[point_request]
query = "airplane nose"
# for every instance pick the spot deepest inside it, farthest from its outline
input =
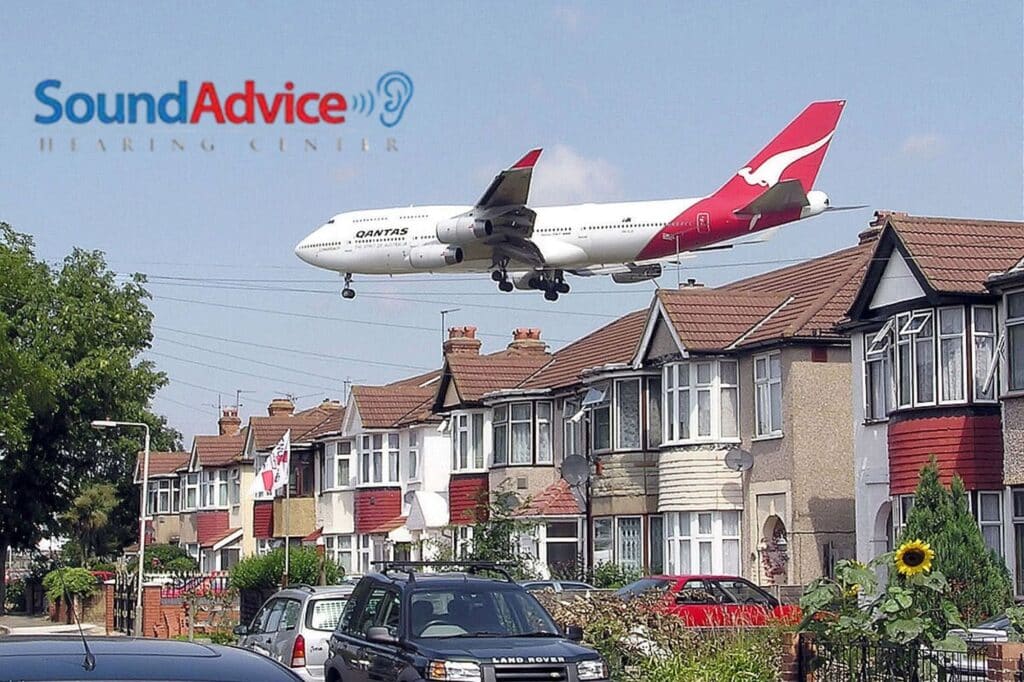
(303, 251)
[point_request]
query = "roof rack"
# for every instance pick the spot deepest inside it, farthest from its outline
(471, 567)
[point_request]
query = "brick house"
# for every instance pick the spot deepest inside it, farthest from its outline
(163, 505)
(924, 327)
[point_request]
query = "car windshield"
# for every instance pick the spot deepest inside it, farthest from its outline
(474, 612)
(324, 614)
(644, 585)
(1000, 622)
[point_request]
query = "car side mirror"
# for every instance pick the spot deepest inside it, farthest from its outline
(241, 630)
(379, 634)
(574, 633)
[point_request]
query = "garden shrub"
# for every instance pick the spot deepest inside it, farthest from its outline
(77, 582)
(158, 557)
(609, 575)
(16, 595)
(266, 571)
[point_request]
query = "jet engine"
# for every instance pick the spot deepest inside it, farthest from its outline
(817, 202)
(463, 229)
(434, 256)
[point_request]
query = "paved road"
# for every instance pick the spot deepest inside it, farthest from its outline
(41, 625)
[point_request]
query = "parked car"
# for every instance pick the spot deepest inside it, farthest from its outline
(401, 624)
(556, 585)
(56, 658)
(293, 626)
(714, 600)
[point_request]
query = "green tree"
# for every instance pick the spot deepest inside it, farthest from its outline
(70, 340)
(88, 515)
(978, 578)
(496, 531)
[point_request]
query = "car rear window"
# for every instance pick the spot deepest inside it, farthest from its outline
(324, 614)
(644, 585)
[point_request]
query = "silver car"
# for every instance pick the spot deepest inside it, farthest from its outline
(293, 627)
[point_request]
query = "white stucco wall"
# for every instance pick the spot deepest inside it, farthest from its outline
(871, 463)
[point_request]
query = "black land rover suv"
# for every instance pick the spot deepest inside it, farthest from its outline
(403, 625)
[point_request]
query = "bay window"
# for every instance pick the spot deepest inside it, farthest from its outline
(627, 414)
(572, 430)
(339, 549)
(468, 441)
(924, 361)
(164, 496)
(654, 430)
(604, 549)
(235, 490)
(701, 400)
(768, 394)
(191, 491)
(337, 468)
(630, 542)
(213, 488)
(522, 434)
(877, 374)
(703, 542)
(379, 450)
(1015, 340)
(598, 401)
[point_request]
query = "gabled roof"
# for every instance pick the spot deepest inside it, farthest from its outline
(403, 402)
(822, 290)
(947, 256)
(329, 426)
(474, 376)
(268, 430)
(162, 464)
(613, 343)
(555, 500)
(712, 320)
(218, 451)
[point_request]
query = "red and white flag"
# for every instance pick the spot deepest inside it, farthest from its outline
(273, 475)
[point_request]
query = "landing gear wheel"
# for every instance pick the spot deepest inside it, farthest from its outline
(505, 286)
(551, 295)
(562, 287)
(497, 275)
(348, 293)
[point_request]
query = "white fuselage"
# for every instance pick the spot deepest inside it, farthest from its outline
(382, 241)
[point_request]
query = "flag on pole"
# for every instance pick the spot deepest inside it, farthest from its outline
(274, 474)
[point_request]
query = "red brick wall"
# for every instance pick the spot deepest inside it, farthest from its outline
(375, 506)
(210, 525)
(968, 445)
(263, 519)
(465, 494)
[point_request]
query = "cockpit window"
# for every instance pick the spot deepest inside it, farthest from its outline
(331, 221)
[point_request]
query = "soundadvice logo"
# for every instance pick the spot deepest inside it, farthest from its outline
(180, 117)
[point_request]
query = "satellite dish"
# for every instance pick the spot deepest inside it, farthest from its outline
(575, 470)
(409, 497)
(738, 459)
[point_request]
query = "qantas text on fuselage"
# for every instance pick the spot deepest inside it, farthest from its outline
(535, 247)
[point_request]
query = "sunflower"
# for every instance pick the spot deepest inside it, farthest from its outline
(914, 557)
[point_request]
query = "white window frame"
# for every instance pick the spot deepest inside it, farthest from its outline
(989, 523)
(684, 537)
(543, 455)
(619, 558)
(764, 424)
(465, 424)
(983, 378)
(910, 325)
(234, 487)
(878, 367)
(1012, 323)
(674, 390)
(617, 412)
(191, 485)
(364, 553)
(939, 360)
(902, 506)
(341, 549)
(379, 460)
(599, 399)
(213, 485)
(412, 456)
(572, 431)
(502, 421)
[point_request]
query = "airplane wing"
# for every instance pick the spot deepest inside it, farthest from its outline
(511, 187)
(624, 273)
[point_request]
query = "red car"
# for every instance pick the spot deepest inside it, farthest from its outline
(714, 600)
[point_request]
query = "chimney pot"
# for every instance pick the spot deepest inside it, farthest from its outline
(462, 340)
(229, 422)
(280, 406)
(527, 339)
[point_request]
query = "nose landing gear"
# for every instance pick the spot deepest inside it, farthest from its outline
(348, 292)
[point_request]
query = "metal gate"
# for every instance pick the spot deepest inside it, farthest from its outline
(125, 595)
(876, 662)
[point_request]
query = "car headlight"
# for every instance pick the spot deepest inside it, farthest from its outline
(592, 670)
(453, 671)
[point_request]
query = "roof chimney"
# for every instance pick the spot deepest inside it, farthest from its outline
(882, 216)
(691, 283)
(229, 423)
(869, 235)
(462, 340)
(280, 406)
(527, 339)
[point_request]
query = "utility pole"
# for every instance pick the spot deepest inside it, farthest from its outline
(670, 237)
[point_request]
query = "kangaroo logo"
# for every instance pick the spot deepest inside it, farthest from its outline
(769, 172)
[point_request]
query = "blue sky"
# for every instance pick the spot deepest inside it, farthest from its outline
(630, 102)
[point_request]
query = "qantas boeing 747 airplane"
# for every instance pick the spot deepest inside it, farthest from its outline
(534, 247)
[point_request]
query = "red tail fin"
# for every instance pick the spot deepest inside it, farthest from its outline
(795, 154)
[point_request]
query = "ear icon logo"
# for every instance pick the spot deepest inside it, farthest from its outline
(394, 90)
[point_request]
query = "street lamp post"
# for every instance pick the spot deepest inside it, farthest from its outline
(106, 424)
(671, 237)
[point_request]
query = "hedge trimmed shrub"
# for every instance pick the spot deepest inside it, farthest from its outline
(262, 572)
(77, 582)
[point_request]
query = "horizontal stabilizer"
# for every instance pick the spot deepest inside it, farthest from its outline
(788, 195)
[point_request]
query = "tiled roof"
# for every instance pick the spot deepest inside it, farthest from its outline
(388, 525)
(218, 451)
(332, 424)
(477, 375)
(268, 430)
(611, 344)
(956, 255)
(822, 290)
(212, 541)
(162, 463)
(712, 319)
(555, 500)
(382, 407)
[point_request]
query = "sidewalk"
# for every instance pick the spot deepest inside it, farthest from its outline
(41, 625)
